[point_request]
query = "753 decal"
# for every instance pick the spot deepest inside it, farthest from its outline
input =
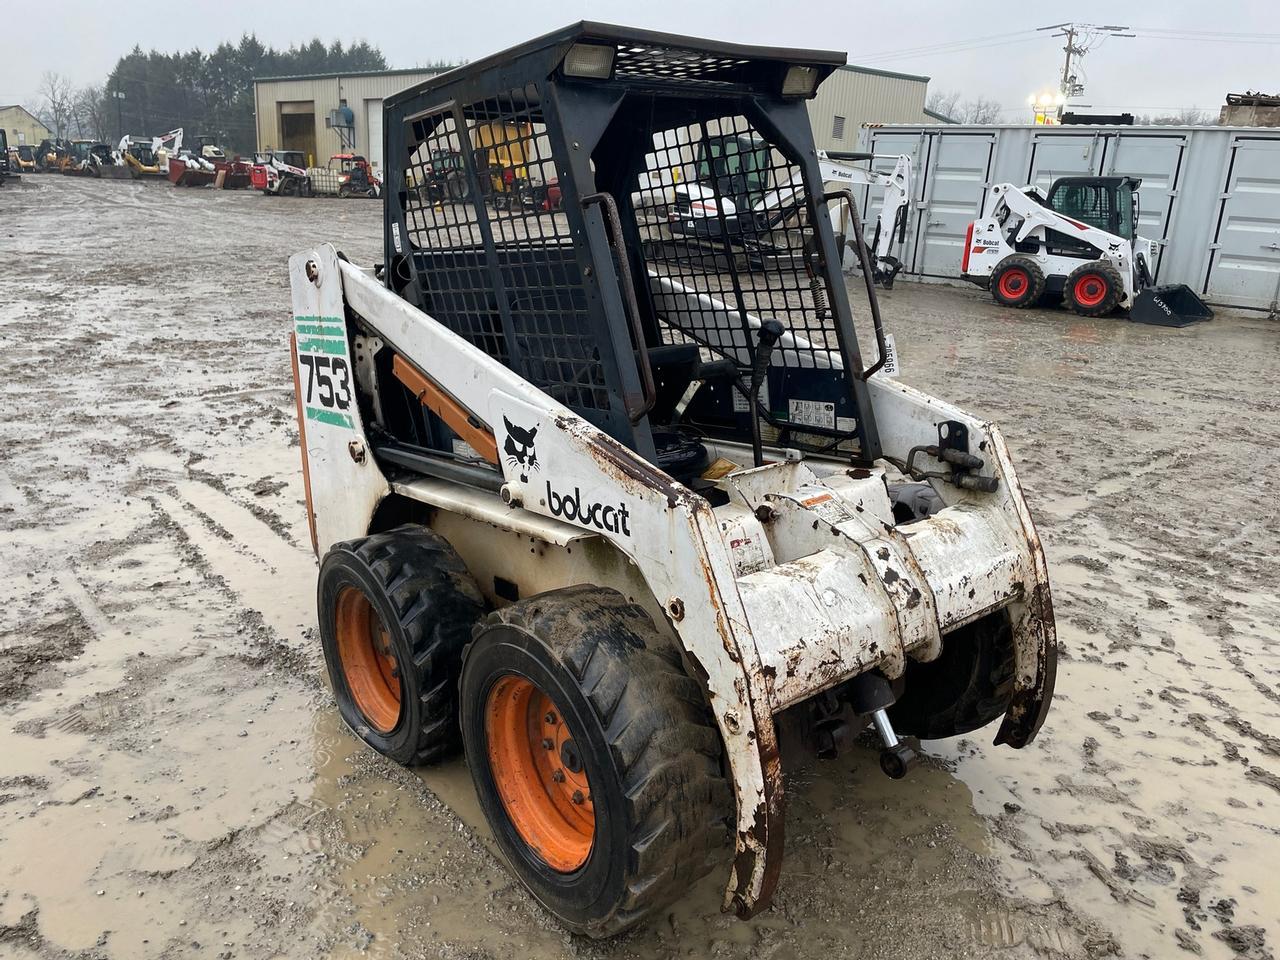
(328, 381)
(324, 371)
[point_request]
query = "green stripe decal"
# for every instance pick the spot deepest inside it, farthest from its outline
(308, 318)
(325, 345)
(331, 417)
(320, 330)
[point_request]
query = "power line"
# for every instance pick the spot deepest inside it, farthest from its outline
(1225, 34)
(951, 46)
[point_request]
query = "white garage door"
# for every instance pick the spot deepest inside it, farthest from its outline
(373, 116)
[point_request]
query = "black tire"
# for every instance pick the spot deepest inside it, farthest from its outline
(1094, 289)
(427, 603)
(968, 686)
(643, 736)
(287, 187)
(344, 191)
(457, 187)
(1018, 282)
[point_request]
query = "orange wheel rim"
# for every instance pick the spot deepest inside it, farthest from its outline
(539, 773)
(368, 662)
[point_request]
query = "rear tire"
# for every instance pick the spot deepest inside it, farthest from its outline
(1017, 282)
(396, 610)
(574, 694)
(1094, 289)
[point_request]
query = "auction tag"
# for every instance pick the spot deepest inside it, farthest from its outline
(890, 368)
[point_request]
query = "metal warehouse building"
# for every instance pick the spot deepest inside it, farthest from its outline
(299, 113)
(20, 126)
(1209, 195)
(853, 96)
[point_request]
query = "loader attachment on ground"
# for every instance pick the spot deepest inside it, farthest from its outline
(1170, 305)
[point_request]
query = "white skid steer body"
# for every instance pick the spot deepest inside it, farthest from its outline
(1016, 222)
(800, 581)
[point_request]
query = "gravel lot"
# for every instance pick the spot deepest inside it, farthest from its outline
(174, 778)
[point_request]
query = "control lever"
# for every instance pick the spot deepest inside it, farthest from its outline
(767, 338)
(722, 369)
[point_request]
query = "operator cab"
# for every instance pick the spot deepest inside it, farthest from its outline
(1108, 203)
(578, 277)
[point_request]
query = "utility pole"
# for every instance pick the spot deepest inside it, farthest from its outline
(119, 98)
(1081, 38)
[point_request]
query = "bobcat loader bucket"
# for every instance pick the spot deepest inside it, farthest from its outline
(1171, 305)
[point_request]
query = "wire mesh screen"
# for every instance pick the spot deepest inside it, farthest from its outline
(652, 62)
(494, 257)
(723, 221)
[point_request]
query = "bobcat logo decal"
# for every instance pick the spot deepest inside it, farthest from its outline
(519, 449)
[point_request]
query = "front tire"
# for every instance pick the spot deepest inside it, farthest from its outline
(969, 685)
(396, 610)
(1094, 289)
(1017, 282)
(596, 761)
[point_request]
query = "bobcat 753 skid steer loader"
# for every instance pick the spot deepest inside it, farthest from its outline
(626, 514)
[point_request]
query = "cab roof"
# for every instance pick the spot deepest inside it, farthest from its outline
(642, 56)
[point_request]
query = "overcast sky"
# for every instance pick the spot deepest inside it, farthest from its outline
(1189, 53)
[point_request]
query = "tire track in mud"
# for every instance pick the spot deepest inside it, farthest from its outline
(165, 422)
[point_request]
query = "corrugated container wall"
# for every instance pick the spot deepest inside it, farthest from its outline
(853, 96)
(1209, 195)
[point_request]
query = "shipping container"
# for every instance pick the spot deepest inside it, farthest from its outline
(1210, 195)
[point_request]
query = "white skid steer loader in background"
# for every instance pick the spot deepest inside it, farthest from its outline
(1080, 241)
(620, 512)
(701, 206)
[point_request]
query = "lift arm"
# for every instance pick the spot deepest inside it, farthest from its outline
(891, 219)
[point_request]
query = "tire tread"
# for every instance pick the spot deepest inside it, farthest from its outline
(664, 741)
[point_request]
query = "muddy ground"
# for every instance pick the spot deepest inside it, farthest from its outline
(175, 781)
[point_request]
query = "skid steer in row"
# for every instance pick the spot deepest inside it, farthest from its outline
(627, 517)
(1080, 241)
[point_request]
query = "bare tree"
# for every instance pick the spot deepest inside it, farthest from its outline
(1183, 117)
(90, 109)
(980, 111)
(949, 103)
(58, 100)
(946, 103)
